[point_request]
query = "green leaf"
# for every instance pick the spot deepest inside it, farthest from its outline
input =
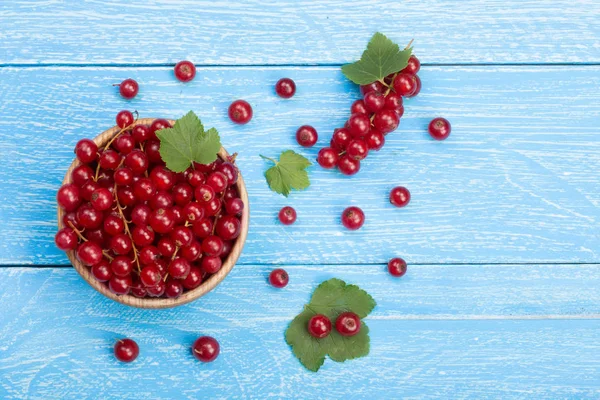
(331, 298)
(288, 173)
(187, 142)
(381, 58)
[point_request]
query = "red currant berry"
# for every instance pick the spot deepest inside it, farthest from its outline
(70, 219)
(439, 128)
(327, 158)
(397, 267)
(137, 161)
(68, 197)
(287, 215)
(150, 275)
(96, 236)
(240, 112)
(194, 279)
(386, 121)
(86, 151)
(126, 196)
(413, 66)
(143, 235)
(340, 139)
(212, 245)
(182, 193)
(89, 253)
(306, 136)
(124, 143)
(357, 149)
(353, 218)
(234, 206)
(121, 266)
(358, 107)
(124, 118)
(120, 285)
(212, 207)
(161, 199)
(319, 326)
(230, 172)
(89, 217)
(393, 101)
(101, 199)
(231, 193)
(374, 140)
(148, 255)
(129, 88)
(113, 225)
(185, 71)
(211, 264)
(285, 88)
(173, 288)
(348, 165)
(179, 268)
(371, 87)
(399, 196)
(66, 239)
(81, 174)
(374, 101)
(88, 189)
(121, 244)
(109, 159)
(140, 214)
(217, 181)
(140, 133)
(105, 180)
(417, 88)
(182, 236)
(202, 228)
(228, 227)
(196, 178)
(279, 278)
(137, 289)
(206, 349)
(204, 193)
(191, 252)
(163, 178)
(123, 176)
(405, 84)
(166, 246)
(227, 247)
(126, 350)
(144, 189)
(347, 324)
(359, 125)
(102, 271)
(193, 211)
(157, 290)
(157, 125)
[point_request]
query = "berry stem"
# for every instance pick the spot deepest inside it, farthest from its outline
(77, 231)
(269, 159)
(409, 44)
(126, 223)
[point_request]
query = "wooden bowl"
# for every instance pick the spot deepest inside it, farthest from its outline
(187, 296)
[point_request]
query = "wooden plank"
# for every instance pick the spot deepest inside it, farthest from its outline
(51, 323)
(516, 182)
(297, 32)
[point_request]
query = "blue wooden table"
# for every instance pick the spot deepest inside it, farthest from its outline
(502, 297)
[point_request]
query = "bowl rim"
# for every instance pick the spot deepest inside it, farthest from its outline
(158, 303)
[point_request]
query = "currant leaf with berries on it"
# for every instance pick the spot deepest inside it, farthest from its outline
(331, 298)
(187, 142)
(381, 58)
(288, 173)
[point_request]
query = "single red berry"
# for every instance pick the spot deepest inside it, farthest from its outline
(196, 178)
(137, 161)
(140, 214)
(439, 128)
(217, 181)
(150, 275)
(319, 326)
(279, 278)
(234, 206)
(397, 267)
(348, 165)
(101, 199)
(206, 349)
(143, 235)
(161, 199)
(228, 227)
(285, 88)
(371, 87)
(306, 136)
(191, 252)
(97, 236)
(202, 228)
(68, 197)
(399, 196)
(393, 101)
(179, 268)
(162, 220)
(359, 125)
(413, 66)
(110, 159)
(121, 266)
(386, 121)
(185, 71)
(287, 215)
(211, 264)
(166, 246)
(89, 217)
(182, 194)
(193, 211)
(129, 88)
(124, 118)
(229, 170)
(148, 255)
(240, 112)
(173, 288)
(374, 140)
(157, 290)
(121, 244)
(126, 350)
(347, 324)
(405, 84)
(88, 188)
(340, 139)
(82, 174)
(120, 285)
(182, 236)
(86, 151)
(66, 239)
(113, 225)
(374, 101)
(353, 218)
(125, 143)
(212, 207)
(358, 107)
(194, 279)
(137, 289)
(163, 178)
(357, 149)
(102, 271)
(123, 176)
(157, 125)
(140, 133)
(204, 193)
(212, 245)
(327, 158)
(89, 253)
(417, 88)
(144, 189)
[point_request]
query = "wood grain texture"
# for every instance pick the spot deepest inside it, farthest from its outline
(296, 32)
(518, 180)
(433, 338)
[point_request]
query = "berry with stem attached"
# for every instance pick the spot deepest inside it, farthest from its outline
(124, 118)
(347, 165)
(128, 88)
(66, 239)
(86, 151)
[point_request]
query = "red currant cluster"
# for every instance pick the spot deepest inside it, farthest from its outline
(347, 324)
(140, 227)
(373, 117)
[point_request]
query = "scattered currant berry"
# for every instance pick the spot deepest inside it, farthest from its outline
(399, 196)
(353, 218)
(185, 71)
(240, 112)
(206, 349)
(66, 239)
(279, 278)
(86, 151)
(126, 350)
(306, 136)
(285, 88)
(347, 324)
(128, 88)
(348, 165)
(439, 128)
(413, 66)
(327, 158)
(124, 118)
(319, 326)
(397, 267)
(287, 215)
